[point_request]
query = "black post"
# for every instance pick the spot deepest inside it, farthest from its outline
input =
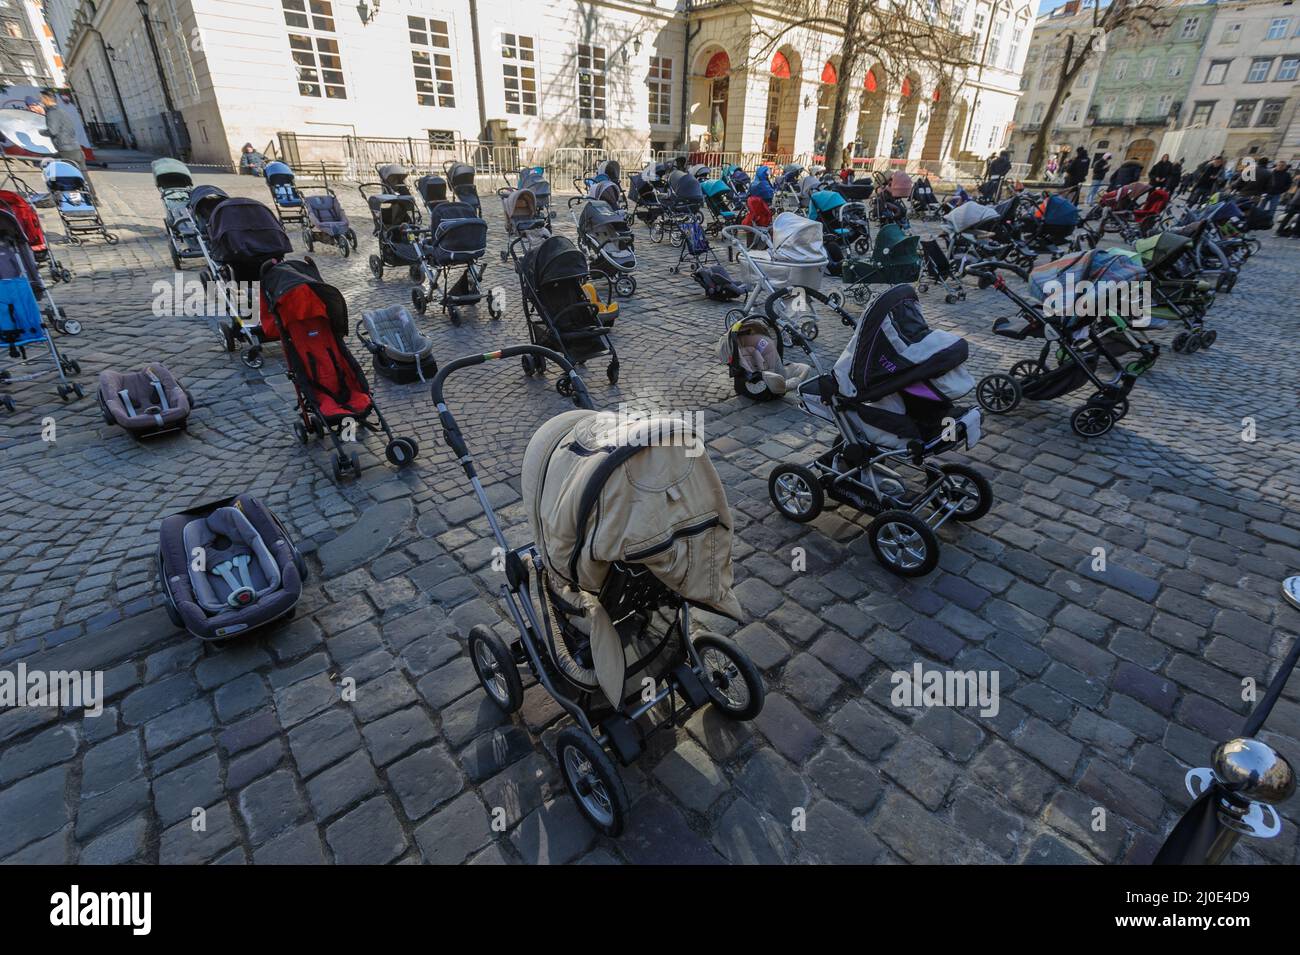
(478, 68)
(162, 76)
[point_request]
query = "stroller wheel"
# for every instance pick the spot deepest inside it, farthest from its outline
(252, 357)
(564, 385)
(345, 249)
(228, 335)
(592, 780)
(377, 267)
(835, 300)
(496, 302)
(998, 394)
(307, 239)
(611, 372)
(1180, 341)
(1120, 410)
(110, 238)
(966, 489)
(301, 432)
(496, 669)
(808, 330)
(415, 272)
(1026, 369)
(1193, 343)
(77, 390)
(796, 492)
(861, 294)
(1208, 337)
(419, 300)
(340, 464)
(352, 239)
(904, 543)
(73, 366)
(950, 299)
(730, 676)
(754, 390)
(400, 452)
(1092, 421)
(625, 286)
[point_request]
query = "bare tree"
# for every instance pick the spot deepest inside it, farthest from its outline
(1080, 43)
(908, 36)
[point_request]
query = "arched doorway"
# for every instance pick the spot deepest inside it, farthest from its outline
(909, 104)
(1142, 150)
(871, 113)
(825, 106)
(782, 102)
(710, 89)
(937, 131)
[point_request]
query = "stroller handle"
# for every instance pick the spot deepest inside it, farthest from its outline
(731, 234)
(451, 431)
(989, 267)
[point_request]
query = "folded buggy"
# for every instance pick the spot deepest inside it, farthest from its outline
(603, 233)
(460, 177)
(174, 183)
(940, 271)
(401, 352)
(243, 236)
(288, 201)
(560, 307)
(396, 228)
(456, 239)
(74, 202)
(24, 337)
(228, 568)
(333, 395)
(895, 258)
(144, 403)
(632, 533)
(891, 396)
(1075, 345)
(704, 266)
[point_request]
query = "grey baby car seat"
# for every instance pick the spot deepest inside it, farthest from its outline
(400, 350)
(145, 402)
(228, 568)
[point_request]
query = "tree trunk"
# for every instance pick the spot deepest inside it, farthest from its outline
(1069, 70)
(848, 66)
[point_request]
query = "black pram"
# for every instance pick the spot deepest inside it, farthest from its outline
(456, 237)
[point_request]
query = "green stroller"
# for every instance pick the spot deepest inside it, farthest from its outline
(895, 258)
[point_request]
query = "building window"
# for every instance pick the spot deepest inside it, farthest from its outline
(1242, 111)
(1148, 67)
(1038, 113)
(1190, 27)
(591, 81)
(1108, 107)
(433, 76)
(995, 41)
(315, 58)
(519, 72)
(1287, 71)
(442, 138)
(1277, 28)
(1074, 114)
(1217, 72)
(1271, 112)
(1084, 79)
(1231, 33)
(1259, 68)
(1175, 68)
(1121, 69)
(661, 90)
(1201, 113)
(1164, 104)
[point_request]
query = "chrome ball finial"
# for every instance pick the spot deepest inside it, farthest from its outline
(1253, 770)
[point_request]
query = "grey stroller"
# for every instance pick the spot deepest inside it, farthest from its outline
(400, 350)
(603, 233)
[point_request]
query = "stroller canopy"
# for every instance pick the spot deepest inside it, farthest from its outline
(531, 177)
(244, 230)
(686, 187)
(1094, 265)
(171, 174)
(824, 200)
(853, 191)
(605, 190)
(808, 185)
(282, 279)
(1159, 250)
(26, 215)
(971, 215)
(391, 174)
(715, 187)
(1059, 211)
(899, 185)
(520, 205)
(392, 210)
(62, 176)
(610, 169)
(893, 246)
(204, 199)
(556, 260)
(797, 240)
(278, 174)
(459, 235)
(598, 217)
(432, 189)
(460, 175)
(892, 348)
(599, 489)
(700, 171)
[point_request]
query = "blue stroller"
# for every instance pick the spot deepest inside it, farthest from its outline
(325, 221)
(288, 201)
(74, 202)
(456, 237)
(21, 324)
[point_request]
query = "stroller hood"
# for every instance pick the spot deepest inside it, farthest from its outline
(391, 174)
(282, 278)
(278, 174)
(714, 187)
(1059, 211)
(460, 175)
(899, 185)
(599, 488)
(63, 175)
(556, 259)
(893, 246)
(605, 190)
(808, 185)
(1158, 250)
(27, 217)
(204, 199)
(1093, 265)
(971, 215)
(530, 177)
(245, 230)
(611, 169)
(825, 201)
(597, 215)
(797, 240)
(431, 189)
(892, 349)
(520, 205)
(687, 188)
(171, 174)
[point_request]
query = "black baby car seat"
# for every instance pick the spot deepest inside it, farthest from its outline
(145, 402)
(228, 567)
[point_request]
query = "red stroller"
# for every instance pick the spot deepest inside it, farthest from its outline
(31, 222)
(333, 395)
(1147, 215)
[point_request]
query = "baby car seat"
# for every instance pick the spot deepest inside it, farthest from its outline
(401, 352)
(145, 402)
(606, 312)
(228, 567)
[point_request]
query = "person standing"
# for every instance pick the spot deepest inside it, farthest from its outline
(1077, 170)
(1161, 172)
(61, 127)
(1175, 182)
(1100, 166)
(1279, 182)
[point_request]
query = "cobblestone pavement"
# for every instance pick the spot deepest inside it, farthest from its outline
(1112, 683)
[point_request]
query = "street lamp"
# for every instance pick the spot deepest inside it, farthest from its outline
(365, 12)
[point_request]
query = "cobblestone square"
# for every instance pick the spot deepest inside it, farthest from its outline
(1112, 683)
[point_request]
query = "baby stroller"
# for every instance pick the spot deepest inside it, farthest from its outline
(144, 403)
(1147, 215)
(21, 323)
(251, 574)
(397, 228)
(532, 178)
(27, 216)
(244, 235)
(1054, 221)
(681, 204)
(643, 197)
(859, 190)
(400, 351)
(968, 233)
(722, 203)
(606, 191)
(74, 202)
(603, 608)
(888, 204)
(174, 184)
(939, 271)
(393, 176)
(844, 223)
(895, 258)
(460, 177)
(736, 178)
(432, 190)
(1074, 349)
(456, 237)
(925, 204)
(522, 216)
(561, 313)
(286, 198)
(604, 234)
(786, 196)
(333, 396)
(891, 397)
(1179, 292)
(791, 253)
(753, 349)
(325, 221)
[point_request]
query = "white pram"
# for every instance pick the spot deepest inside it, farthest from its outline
(790, 254)
(965, 227)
